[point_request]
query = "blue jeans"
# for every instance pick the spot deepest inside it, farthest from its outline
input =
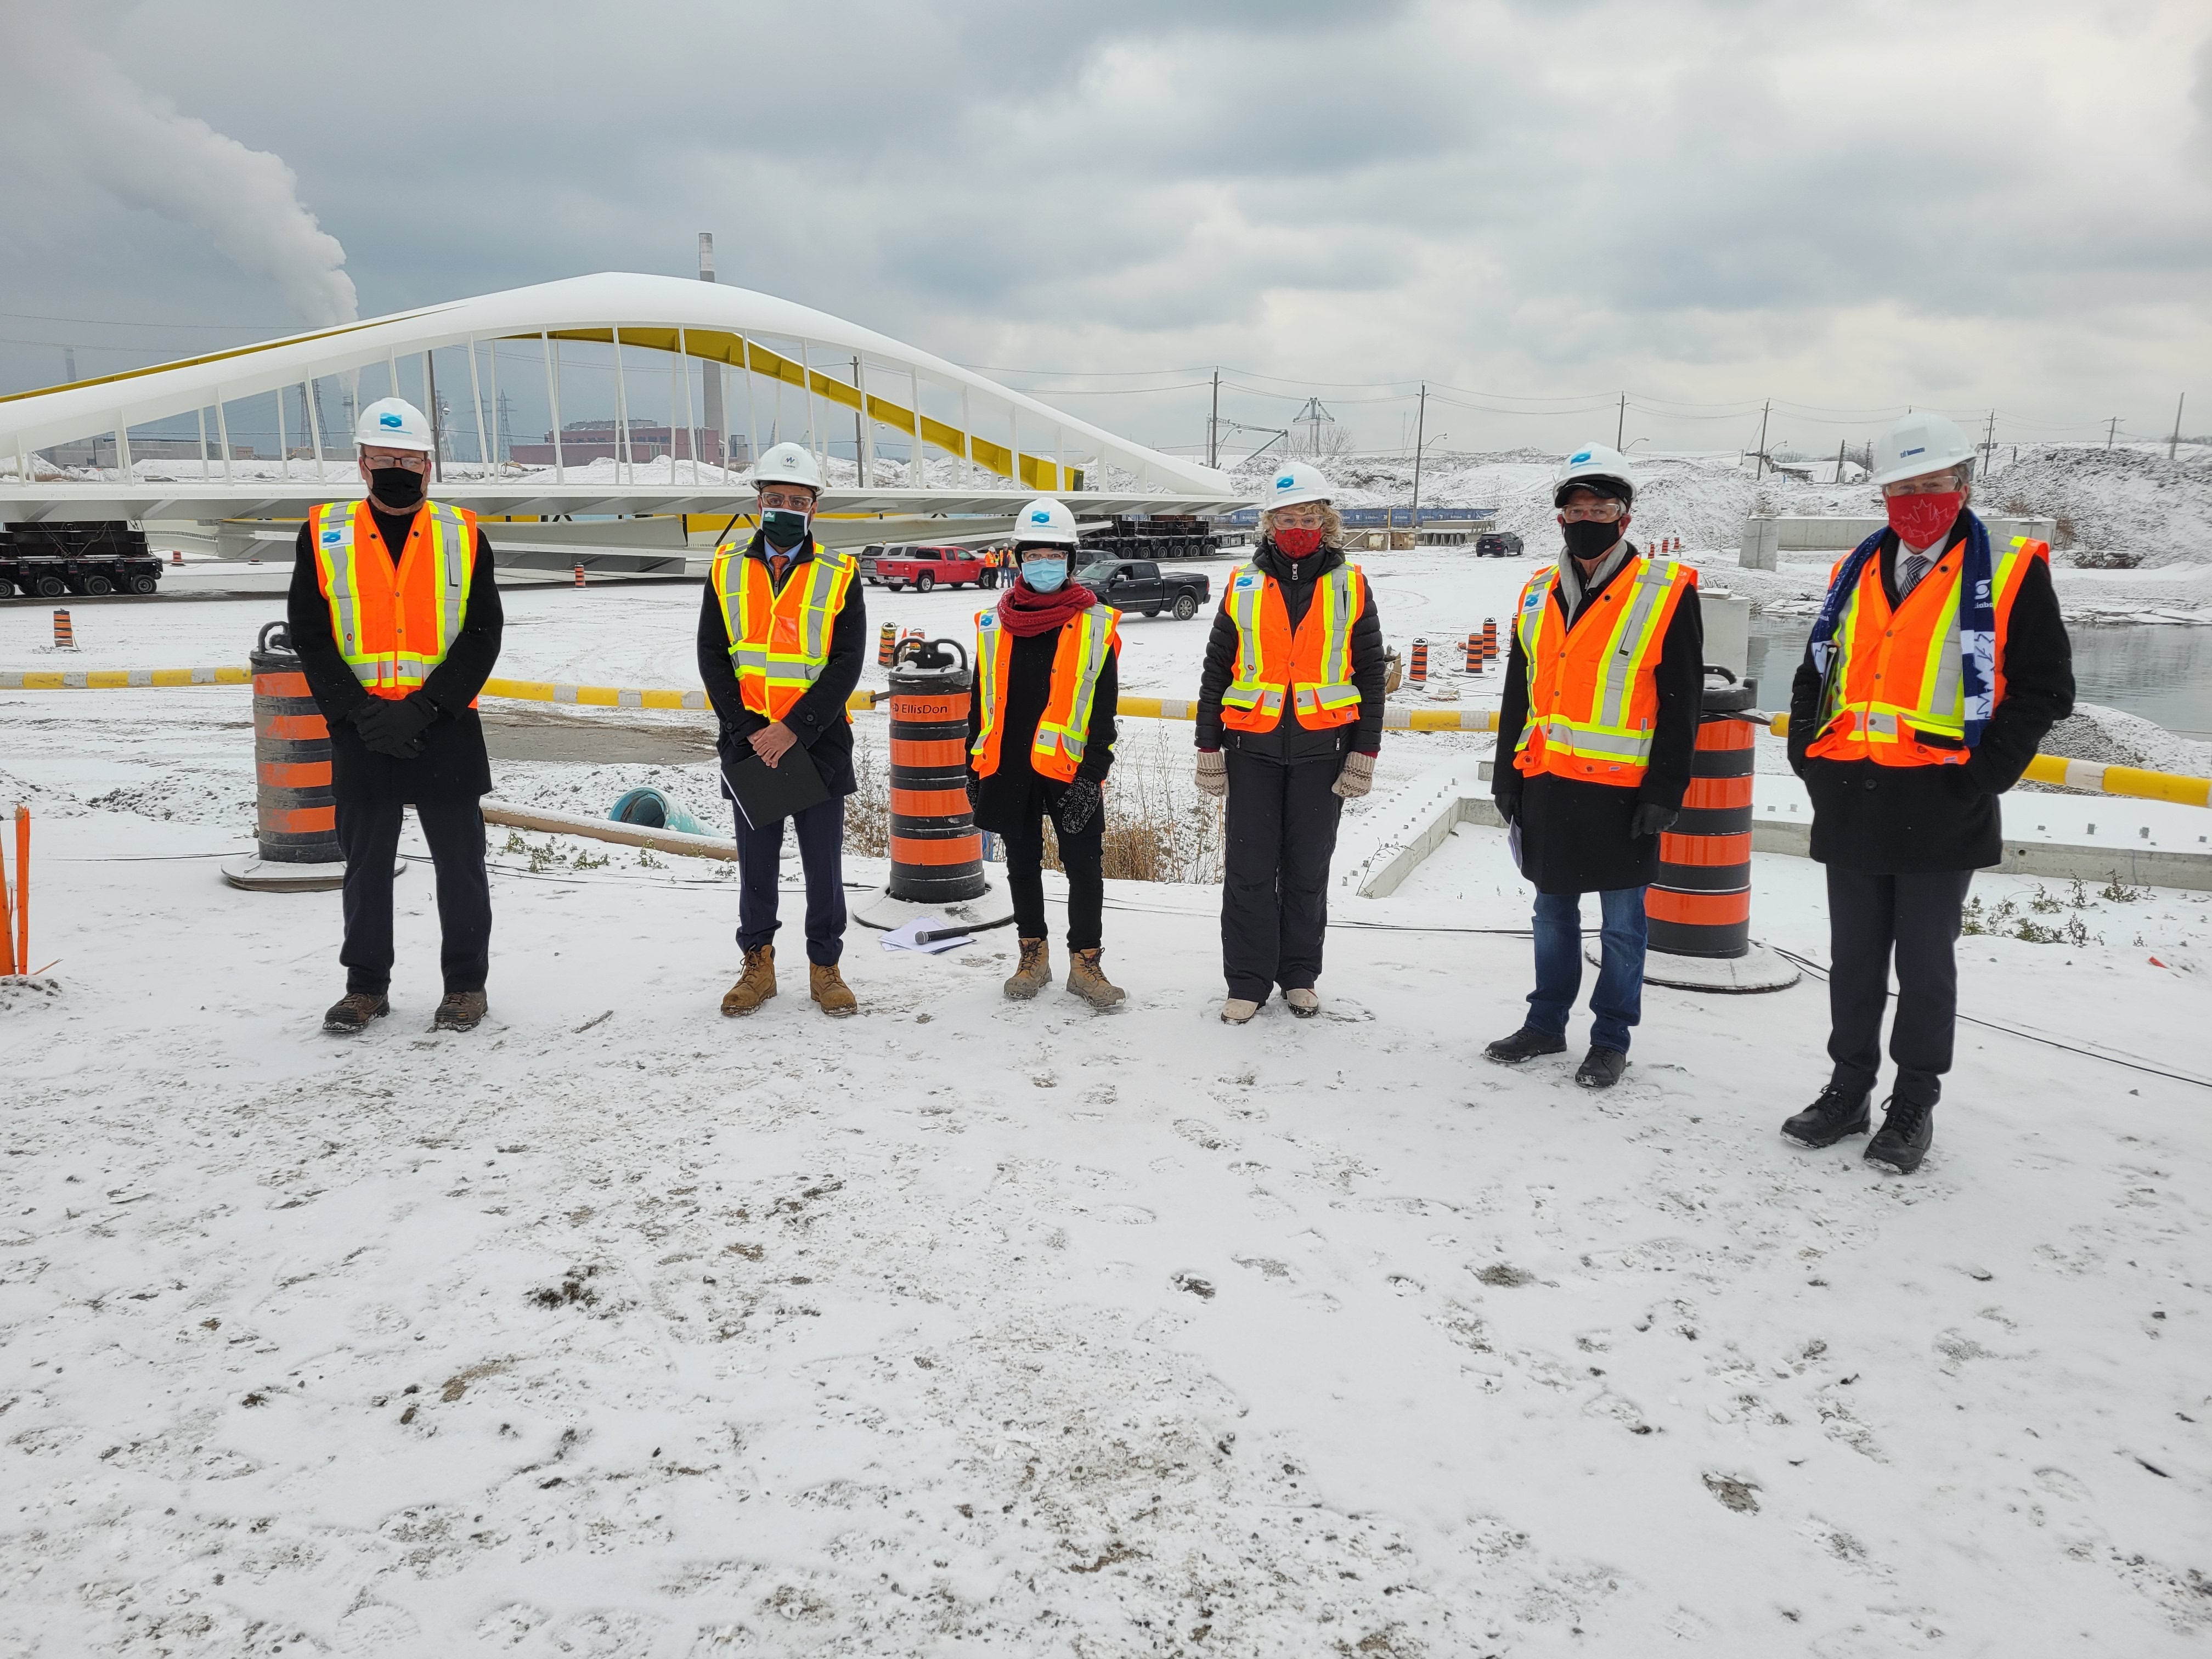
(821, 831)
(1618, 1002)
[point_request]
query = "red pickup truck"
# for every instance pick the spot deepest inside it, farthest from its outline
(923, 567)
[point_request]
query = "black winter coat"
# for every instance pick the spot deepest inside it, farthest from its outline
(453, 765)
(1574, 834)
(1291, 742)
(817, 719)
(1910, 820)
(1007, 802)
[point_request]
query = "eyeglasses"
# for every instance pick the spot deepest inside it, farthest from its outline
(1930, 484)
(1599, 512)
(777, 501)
(1298, 517)
(413, 460)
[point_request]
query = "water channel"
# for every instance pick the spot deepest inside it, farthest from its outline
(2160, 672)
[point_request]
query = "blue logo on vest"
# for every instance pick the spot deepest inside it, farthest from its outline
(391, 420)
(329, 536)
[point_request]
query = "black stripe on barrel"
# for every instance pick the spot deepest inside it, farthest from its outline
(295, 811)
(1700, 905)
(937, 853)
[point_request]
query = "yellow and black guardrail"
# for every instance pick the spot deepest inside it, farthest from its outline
(2058, 770)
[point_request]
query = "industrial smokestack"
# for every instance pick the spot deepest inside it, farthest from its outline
(710, 443)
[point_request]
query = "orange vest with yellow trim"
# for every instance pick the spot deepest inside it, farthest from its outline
(1063, 731)
(1310, 670)
(393, 619)
(1895, 677)
(1593, 688)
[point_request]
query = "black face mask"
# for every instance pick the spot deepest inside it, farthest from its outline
(396, 487)
(783, 528)
(1590, 539)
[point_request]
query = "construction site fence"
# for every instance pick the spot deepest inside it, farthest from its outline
(2054, 769)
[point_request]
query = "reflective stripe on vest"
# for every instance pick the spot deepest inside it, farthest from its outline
(1063, 730)
(1259, 685)
(395, 617)
(1606, 736)
(1895, 676)
(778, 642)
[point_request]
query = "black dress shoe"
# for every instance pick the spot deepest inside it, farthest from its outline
(1602, 1068)
(1524, 1044)
(1908, 1130)
(1835, 1114)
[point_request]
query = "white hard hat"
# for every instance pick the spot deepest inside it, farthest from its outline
(1294, 482)
(393, 423)
(1046, 520)
(1921, 442)
(788, 463)
(1588, 467)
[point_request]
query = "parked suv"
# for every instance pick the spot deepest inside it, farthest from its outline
(1497, 544)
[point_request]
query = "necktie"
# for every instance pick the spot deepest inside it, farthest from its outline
(778, 563)
(1915, 568)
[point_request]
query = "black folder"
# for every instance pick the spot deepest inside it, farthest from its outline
(766, 794)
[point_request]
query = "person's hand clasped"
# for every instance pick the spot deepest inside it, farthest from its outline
(394, 725)
(1651, 818)
(773, 743)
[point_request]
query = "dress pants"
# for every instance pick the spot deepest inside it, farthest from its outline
(1281, 831)
(368, 833)
(821, 832)
(1617, 1001)
(1081, 855)
(1914, 919)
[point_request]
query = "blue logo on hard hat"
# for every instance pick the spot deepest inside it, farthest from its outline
(1288, 481)
(1920, 450)
(1578, 459)
(389, 419)
(1042, 516)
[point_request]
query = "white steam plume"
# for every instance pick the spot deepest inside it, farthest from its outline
(65, 101)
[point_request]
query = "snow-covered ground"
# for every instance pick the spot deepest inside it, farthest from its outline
(966, 1326)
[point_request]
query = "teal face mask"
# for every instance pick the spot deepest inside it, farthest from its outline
(1045, 575)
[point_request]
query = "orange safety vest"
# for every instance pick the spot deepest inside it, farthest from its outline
(1063, 731)
(394, 619)
(1311, 670)
(1895, 677)
(780, 641)
(1593, 688)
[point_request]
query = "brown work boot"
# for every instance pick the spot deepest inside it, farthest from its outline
(1035, 971)
(1085, 979)
(459, 1011)
(757, 984)
(351, 1014)
(827, 986)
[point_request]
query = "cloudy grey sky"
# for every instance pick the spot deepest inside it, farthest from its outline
(1848, 206)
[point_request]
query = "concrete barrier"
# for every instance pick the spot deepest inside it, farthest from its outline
(1765, 536)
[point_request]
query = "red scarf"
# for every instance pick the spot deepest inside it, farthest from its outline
(1024, 612)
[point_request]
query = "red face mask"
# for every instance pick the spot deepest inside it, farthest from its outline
(1297, 543)
(1919, 520)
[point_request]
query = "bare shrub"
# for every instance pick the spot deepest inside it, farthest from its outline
(2105, 559)
(868, 810)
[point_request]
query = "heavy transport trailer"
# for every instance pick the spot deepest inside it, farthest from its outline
(1160, 536)
(49, 560)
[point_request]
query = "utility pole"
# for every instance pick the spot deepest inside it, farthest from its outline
(2174, 442)
(1213, 423)
(1989, 444)
(1620, 424)
(2110, 428)
(1839, 461)
(1759, 471)
(1420, 430)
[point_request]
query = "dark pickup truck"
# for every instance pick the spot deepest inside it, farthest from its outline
(1140, 585)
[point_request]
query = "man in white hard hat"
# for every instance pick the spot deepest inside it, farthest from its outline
(1597, 726)
(1290, 723)
(782, 637)
(396, 617)
(1936, 666)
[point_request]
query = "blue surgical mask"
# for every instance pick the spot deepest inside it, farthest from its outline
(1045, 575)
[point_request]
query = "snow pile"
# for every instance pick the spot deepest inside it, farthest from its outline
(2106, 737)
(2126, 501)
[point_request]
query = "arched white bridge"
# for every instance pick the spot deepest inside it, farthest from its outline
(777, 371)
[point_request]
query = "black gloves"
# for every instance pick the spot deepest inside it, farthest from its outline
(971, 782)
(1078, 806)
(1509, 806)
(1650, 819)
(395, 726)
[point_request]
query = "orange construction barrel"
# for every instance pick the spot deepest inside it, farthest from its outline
(937, 852)
(296, 819)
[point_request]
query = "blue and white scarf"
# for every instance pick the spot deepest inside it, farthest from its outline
(1978, 621)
